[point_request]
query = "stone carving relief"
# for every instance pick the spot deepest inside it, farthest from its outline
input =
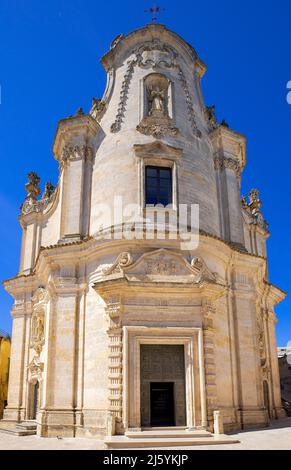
(31, 203)
(161, 265)
(48, 190)
(122, 261)
(35, 369)
(253, 209)
(77, 152)
(220, 163)
(37, 337)
(37, 332)
(116, 126)
(157, 121)
(261, 340)
(97, 108)
(154, 54)
(190, 107)
(211, 118)
(201, 270)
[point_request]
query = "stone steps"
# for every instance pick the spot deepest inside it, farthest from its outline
(161, 433)
(25, 428)
(166, 438)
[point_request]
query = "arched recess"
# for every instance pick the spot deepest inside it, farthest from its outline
(157, 96)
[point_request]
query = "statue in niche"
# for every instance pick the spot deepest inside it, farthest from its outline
(156, 100)
(157, 121)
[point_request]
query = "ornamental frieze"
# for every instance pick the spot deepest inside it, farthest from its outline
(77, 152)
(221, 163)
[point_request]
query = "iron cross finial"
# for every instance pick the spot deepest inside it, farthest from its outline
(154, 11)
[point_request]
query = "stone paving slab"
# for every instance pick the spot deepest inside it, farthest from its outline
(276, 437)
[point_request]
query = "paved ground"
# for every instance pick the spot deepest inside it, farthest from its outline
(277, 436)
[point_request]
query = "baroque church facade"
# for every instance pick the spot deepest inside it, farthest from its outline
(111, 333)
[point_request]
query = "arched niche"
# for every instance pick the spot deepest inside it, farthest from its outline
(157, 93)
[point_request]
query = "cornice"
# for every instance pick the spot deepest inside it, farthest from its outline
(229, 144)
(80, 125)
(88, 247)
(150, 32)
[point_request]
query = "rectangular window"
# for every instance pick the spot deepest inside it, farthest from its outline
(158, 185)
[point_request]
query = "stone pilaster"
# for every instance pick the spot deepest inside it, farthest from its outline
(77, 165)
(229, 161)
(16, 409)
(115, 384)
(208, 311)
(58, 414)
(278, 411)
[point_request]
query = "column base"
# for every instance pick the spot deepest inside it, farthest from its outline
(251, 418)
(55, 423)
(12, 413)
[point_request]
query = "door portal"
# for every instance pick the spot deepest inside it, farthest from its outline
(162, 404)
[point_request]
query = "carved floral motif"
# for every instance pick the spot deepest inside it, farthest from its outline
(77, 152)
(157, 129)
(221, 163)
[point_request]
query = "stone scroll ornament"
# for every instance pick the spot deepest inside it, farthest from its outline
(154, 54)
(31, 203)
(123, 260)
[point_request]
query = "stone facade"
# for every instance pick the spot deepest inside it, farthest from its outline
(87, 302)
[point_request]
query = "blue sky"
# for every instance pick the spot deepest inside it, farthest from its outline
(50, 66)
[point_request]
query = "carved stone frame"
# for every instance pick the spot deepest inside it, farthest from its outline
(192, 340)
(143, 102)
(161, 155)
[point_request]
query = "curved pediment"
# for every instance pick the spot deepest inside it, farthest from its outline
(161, 266)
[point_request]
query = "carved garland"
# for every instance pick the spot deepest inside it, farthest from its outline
(190, 108)
(116, 126)
(155, 130)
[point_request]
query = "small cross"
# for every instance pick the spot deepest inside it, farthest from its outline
(154, 11)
